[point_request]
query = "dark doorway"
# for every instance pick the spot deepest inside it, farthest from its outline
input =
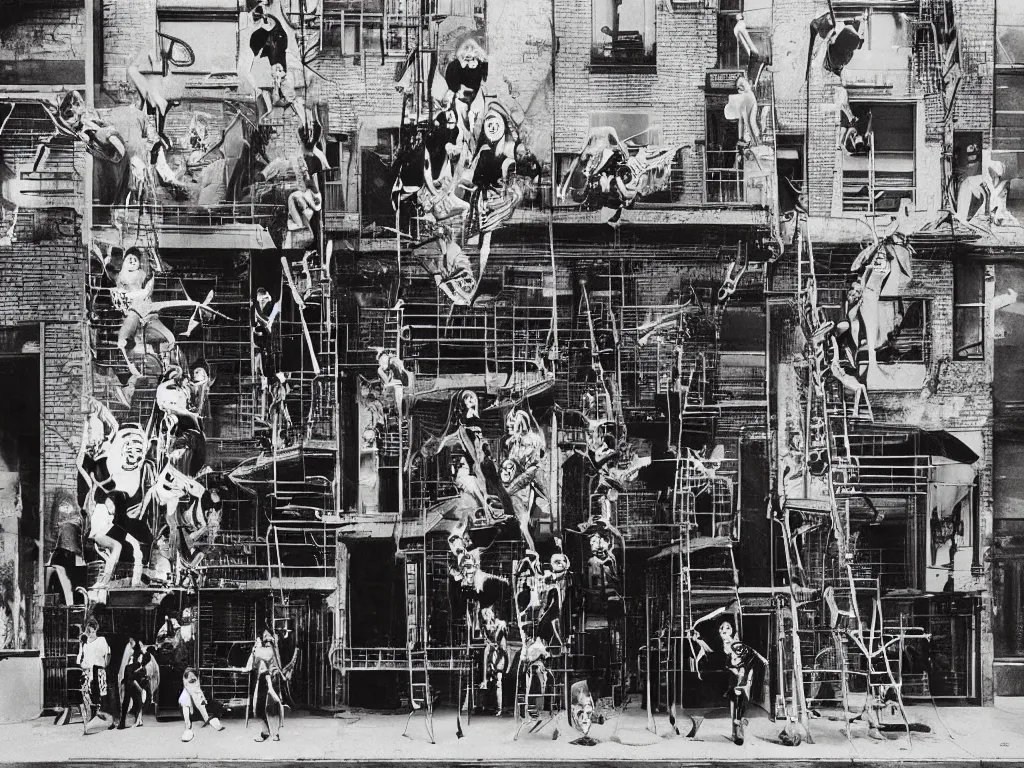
(19, 482)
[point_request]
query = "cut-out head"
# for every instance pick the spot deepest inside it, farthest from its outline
(263, 298)
(132, 260)
(129, 447)
(470, 403)
(727, 631)
(509, 471)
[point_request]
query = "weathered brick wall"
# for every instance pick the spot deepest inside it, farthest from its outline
(52, 34)
(805, 106)
(45, 283)
(959, 400)
(674, 95)
(128, 27)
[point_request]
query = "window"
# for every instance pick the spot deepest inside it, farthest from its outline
(879, 171)
(1008, 123)
(623, 34)
(968, 311)
(757, 16)
(1009, 33)
(789, 159)
(723, 164)
(376, 162)
(213, 38)
(903, 331)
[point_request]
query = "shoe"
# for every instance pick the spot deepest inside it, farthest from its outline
(188, 735)
(277, 737)
(217, 724)
(262, 737)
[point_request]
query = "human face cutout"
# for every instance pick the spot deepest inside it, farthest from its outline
(508, 471)
(131, 263)
(471, 403)
(559, 563)
(200, 376)
(133, 451)
(494, 127)
(598, 546)
(489, 619)
(726, 632)
(470, 53)
(263, 299)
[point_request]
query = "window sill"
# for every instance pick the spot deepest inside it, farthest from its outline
(609, 68)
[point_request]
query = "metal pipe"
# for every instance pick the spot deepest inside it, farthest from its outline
(41, 541)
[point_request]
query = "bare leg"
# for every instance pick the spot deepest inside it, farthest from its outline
(112, 555)
(65, 582)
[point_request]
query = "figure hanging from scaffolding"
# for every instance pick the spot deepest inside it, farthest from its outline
(502, 173)
(460, 89)
(394, 376)
(522, 472)
(484, 501)
(278, 414)
(134, 278)
(452, 271)
(263, 317)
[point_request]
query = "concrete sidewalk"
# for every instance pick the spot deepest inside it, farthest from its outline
(959, 736)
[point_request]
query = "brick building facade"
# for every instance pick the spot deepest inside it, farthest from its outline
(715, 231)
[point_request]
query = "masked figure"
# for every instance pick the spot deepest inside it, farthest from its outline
(110, 489)
(501, 172)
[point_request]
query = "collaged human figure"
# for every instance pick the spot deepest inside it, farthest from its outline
(110, 489)
(192, 513)
(501, 175)
(523, 473)
(134, 281)
(740, 659)
(606, 175)
(483, 502)
(193, 702)
(452, 271)
(496, 655)
(604, 580)
(581, 707)
(479, 588)
(264, 696)
(538, 678)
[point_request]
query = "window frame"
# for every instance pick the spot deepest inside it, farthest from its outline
(852, 204)
(647, 63)
(961, 351)
(201, 15)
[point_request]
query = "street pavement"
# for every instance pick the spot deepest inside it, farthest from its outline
(957, 736)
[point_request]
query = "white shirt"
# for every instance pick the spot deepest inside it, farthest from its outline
(94, 654)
